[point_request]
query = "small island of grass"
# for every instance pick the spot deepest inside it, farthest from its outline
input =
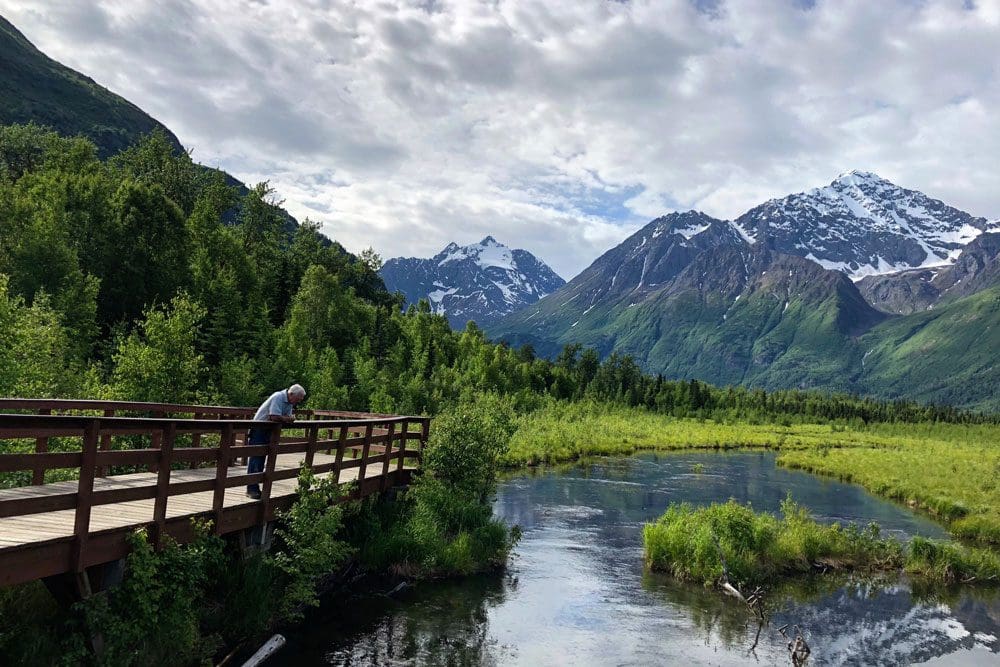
(729, 542)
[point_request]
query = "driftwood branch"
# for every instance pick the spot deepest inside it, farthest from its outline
(798, 648)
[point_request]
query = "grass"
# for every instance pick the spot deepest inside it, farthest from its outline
(951, 471)
(692, 543)
(957, 481)
(729, 542)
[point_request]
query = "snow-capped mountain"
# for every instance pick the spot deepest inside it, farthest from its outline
(778, 298)
(482, 282)
(864, 225)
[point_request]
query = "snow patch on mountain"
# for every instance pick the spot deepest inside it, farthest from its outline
(863, 225)
(691, 230)
(484, 254)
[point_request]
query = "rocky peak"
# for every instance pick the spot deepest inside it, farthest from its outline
(482, 281)
(863, 224)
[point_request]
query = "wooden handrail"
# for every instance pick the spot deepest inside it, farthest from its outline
(47, 405)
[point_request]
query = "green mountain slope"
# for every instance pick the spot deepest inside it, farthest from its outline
(947, 355)
(35, 88)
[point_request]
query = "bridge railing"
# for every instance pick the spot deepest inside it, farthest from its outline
(91, 446)
(87, 407)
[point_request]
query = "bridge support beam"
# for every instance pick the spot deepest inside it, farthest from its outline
(255, 539)
(72, 587)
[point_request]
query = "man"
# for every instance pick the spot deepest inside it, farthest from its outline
(277, 408)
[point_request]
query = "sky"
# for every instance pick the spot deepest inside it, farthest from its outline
(560, 126)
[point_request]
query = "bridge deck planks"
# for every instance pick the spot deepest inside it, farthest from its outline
(21, 531)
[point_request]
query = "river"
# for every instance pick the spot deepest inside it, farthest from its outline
(576, 592)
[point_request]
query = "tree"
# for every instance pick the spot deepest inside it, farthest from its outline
(36, 358)
(155, 161)
(159, 361)
(144, 258)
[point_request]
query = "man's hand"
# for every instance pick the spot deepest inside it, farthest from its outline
(284, 419)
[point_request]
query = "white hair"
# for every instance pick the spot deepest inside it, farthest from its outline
(297, 390)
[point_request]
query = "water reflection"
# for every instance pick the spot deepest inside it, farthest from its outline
(576, 592)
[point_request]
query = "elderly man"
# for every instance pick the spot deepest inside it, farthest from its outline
(277, 408)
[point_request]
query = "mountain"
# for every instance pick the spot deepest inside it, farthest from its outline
(864, 225)
(944, 355)
(688, 296)
(35, 88)
(746, 302)
(976, 269)
(484, 281)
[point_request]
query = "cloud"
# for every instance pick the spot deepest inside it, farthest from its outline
(559, 127)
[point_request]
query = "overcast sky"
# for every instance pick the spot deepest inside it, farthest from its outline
(556, 126)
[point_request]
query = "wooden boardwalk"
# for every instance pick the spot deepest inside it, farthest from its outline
(76, 526)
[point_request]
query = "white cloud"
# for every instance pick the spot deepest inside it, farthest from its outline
(558, 126)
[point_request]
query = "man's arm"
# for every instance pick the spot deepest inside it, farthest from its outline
(281, 418)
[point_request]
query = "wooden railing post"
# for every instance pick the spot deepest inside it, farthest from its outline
(270, 463)
(311, 445)
(402, 444)
(221, 473)
(84, 491)
(341, 445)
(163, 482)
(365, 446)
(41, 446)
(387, 454)
(105, 445)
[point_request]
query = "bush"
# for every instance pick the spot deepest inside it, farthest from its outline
(468, 443)
(444, 526)
(950, 563)
(153, 617)
(307, 545)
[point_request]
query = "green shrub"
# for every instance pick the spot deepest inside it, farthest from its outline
(307, 543)
(468, 443)
(444, 525)
(153, 616)
(33, 629)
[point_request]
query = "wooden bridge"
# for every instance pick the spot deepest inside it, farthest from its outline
(77, 477)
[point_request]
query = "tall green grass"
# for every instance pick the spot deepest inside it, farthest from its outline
(707, 544)
(957, 481)
(729, 542)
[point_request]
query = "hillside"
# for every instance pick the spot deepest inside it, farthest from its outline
(947, 355)
(35, 88)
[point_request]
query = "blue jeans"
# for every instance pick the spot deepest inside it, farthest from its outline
(255, 464)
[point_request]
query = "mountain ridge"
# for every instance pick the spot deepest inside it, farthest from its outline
(864, 225)
(37, 88)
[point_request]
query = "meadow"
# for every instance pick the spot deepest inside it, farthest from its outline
(951, 471)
